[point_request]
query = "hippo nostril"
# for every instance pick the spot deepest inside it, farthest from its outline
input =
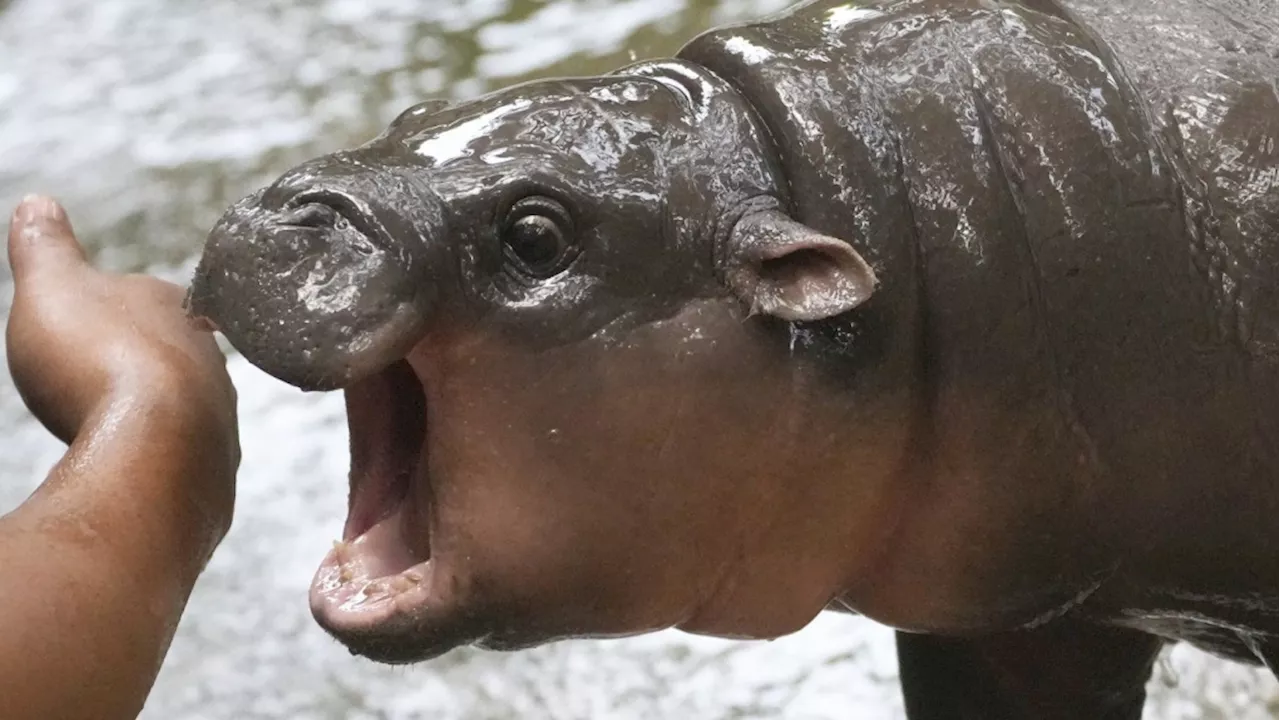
(313, 215)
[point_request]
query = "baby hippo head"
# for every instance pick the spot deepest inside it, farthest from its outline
(559, 316)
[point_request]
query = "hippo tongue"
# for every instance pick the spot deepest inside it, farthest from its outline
(379, 552)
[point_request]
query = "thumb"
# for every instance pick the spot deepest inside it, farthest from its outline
(41, 240)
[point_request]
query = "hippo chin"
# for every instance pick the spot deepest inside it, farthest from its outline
(958, 314)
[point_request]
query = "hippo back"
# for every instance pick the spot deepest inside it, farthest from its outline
(1208, 73)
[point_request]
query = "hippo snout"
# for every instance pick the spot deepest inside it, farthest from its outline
(317, 280)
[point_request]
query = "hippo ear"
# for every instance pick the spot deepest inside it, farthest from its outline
(782, 268)
(410, 114)
(432, 106)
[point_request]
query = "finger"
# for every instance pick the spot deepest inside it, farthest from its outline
(41, 240)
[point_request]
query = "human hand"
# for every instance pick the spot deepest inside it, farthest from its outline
(82, 342)
(109, 547)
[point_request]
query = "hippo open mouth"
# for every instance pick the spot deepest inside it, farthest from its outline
(382, 566)
(352, 304)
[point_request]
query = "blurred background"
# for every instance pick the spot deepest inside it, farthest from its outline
(148, 117)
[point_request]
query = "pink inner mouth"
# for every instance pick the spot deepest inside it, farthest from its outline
(382, 567)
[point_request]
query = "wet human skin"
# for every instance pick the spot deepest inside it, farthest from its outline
(948, 313)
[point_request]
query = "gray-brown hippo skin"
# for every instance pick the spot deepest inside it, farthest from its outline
(958, 314)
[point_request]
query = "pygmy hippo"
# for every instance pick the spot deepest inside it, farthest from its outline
(957, 314)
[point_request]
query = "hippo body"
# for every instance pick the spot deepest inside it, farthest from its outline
(1147, 183)
(958, 314)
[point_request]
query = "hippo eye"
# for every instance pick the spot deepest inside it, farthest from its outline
(536, 236)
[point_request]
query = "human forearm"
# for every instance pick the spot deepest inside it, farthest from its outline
(100, 561)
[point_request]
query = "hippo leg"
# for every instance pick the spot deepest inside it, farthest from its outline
(1063, 670)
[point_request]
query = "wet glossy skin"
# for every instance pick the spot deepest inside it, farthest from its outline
(1009, 365)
